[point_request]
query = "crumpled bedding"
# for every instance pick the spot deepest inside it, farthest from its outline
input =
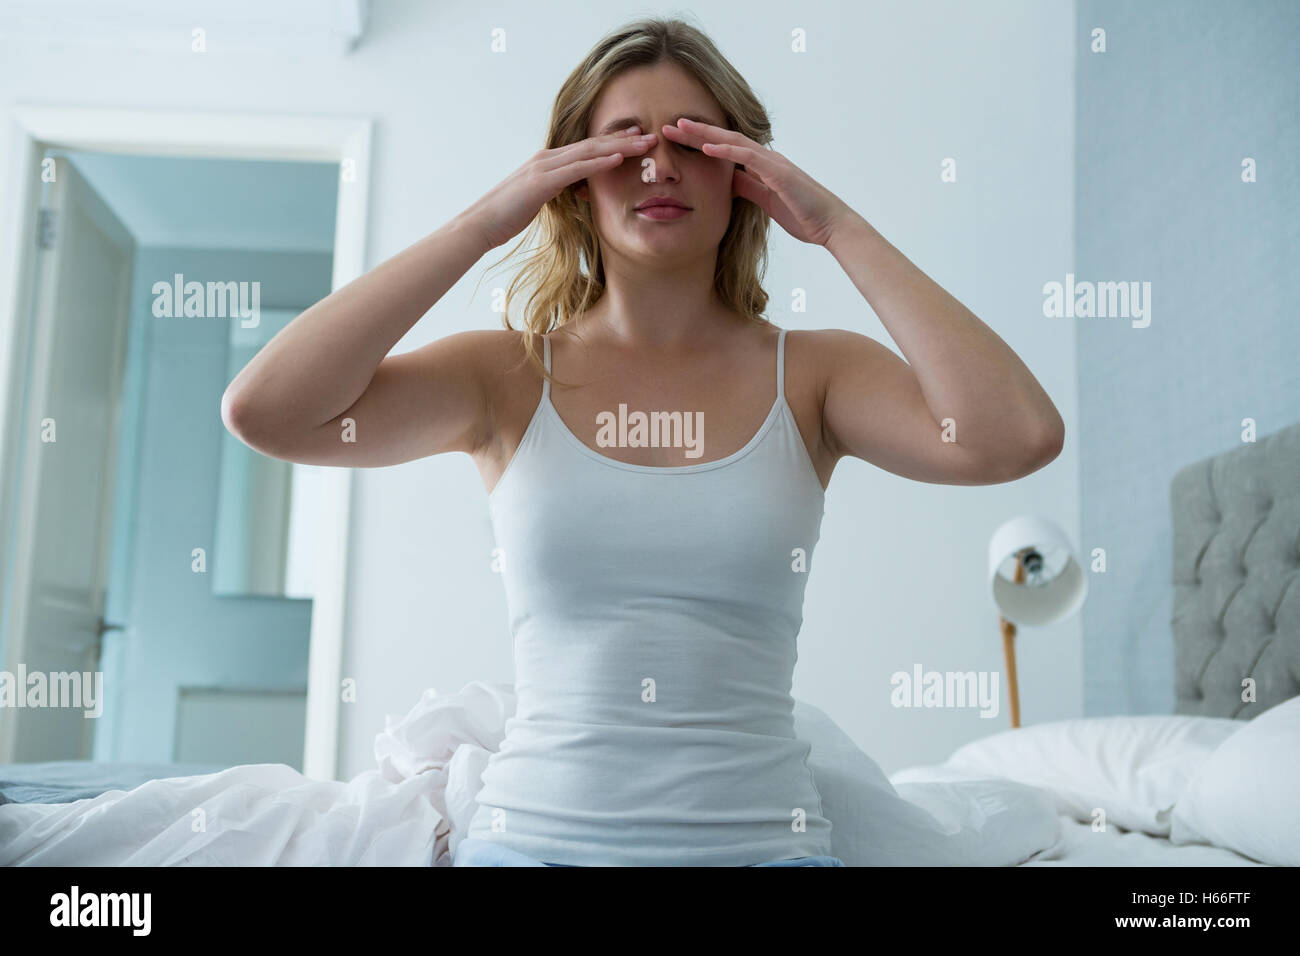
(402, 813)
(415, 806)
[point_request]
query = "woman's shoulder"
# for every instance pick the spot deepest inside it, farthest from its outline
(497, 359)
(826, 346)
(492, 347)
(814, 358)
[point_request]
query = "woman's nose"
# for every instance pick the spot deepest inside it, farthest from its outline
(663, 168)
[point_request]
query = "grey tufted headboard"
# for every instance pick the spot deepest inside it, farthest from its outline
(1236, 611)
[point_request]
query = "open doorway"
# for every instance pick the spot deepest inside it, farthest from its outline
(170, 597)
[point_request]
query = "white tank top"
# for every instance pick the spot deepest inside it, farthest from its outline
(654, 612)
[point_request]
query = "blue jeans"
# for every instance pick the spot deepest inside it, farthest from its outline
(489, 853)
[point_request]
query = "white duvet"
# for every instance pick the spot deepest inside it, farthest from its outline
(414, 807)
(402, 813)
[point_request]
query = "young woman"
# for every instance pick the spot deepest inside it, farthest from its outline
(654, 575)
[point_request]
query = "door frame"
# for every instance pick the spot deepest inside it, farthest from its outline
(195, 134)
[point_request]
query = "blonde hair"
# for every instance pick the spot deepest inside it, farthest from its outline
(552, 277)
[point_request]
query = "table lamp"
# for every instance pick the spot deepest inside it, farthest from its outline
(1035, 580)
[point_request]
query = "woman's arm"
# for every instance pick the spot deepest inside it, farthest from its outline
(328, 365)
(323, 392)
(965, 410)
(896, 414)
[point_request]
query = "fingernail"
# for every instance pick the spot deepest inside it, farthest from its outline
(632, 130)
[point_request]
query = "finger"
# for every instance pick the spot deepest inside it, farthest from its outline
(586, 167)
(698, 133)
(597, 146)
(621, 135)
(578, 172)
(761, 161)
(676, 135)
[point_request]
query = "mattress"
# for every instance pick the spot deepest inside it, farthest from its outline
(64, 781)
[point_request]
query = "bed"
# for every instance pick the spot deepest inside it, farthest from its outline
(66, 781)
(1213, 784)
(1236, 631)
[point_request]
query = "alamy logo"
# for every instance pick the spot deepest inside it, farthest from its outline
(651, 430)
(1105, 300)
(946, 689)
(102, 909)
(211, 300)
(55, 689)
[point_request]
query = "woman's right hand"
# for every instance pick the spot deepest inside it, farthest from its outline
(511, 205)
(332, 362)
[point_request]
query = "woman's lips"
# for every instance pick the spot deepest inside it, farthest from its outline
(662, 213)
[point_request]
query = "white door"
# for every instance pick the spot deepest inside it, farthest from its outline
(70, 416)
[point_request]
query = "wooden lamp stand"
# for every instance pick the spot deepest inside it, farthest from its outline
(1009, 647)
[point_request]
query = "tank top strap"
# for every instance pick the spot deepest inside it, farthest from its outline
(780, 366)
(546, 361)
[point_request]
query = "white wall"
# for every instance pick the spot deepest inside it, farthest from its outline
(1223, 338)
(887, 91)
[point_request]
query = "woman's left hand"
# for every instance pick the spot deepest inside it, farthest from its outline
(803, 207)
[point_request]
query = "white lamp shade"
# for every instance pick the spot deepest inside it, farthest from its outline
(1055, 592)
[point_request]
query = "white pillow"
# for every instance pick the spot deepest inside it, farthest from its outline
(1246, 796)
(963, 823)
(1132, 767)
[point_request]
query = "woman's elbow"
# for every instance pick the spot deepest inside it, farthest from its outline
(1038, 450)
(239, 418)
(1047, 445)
(232, 412)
